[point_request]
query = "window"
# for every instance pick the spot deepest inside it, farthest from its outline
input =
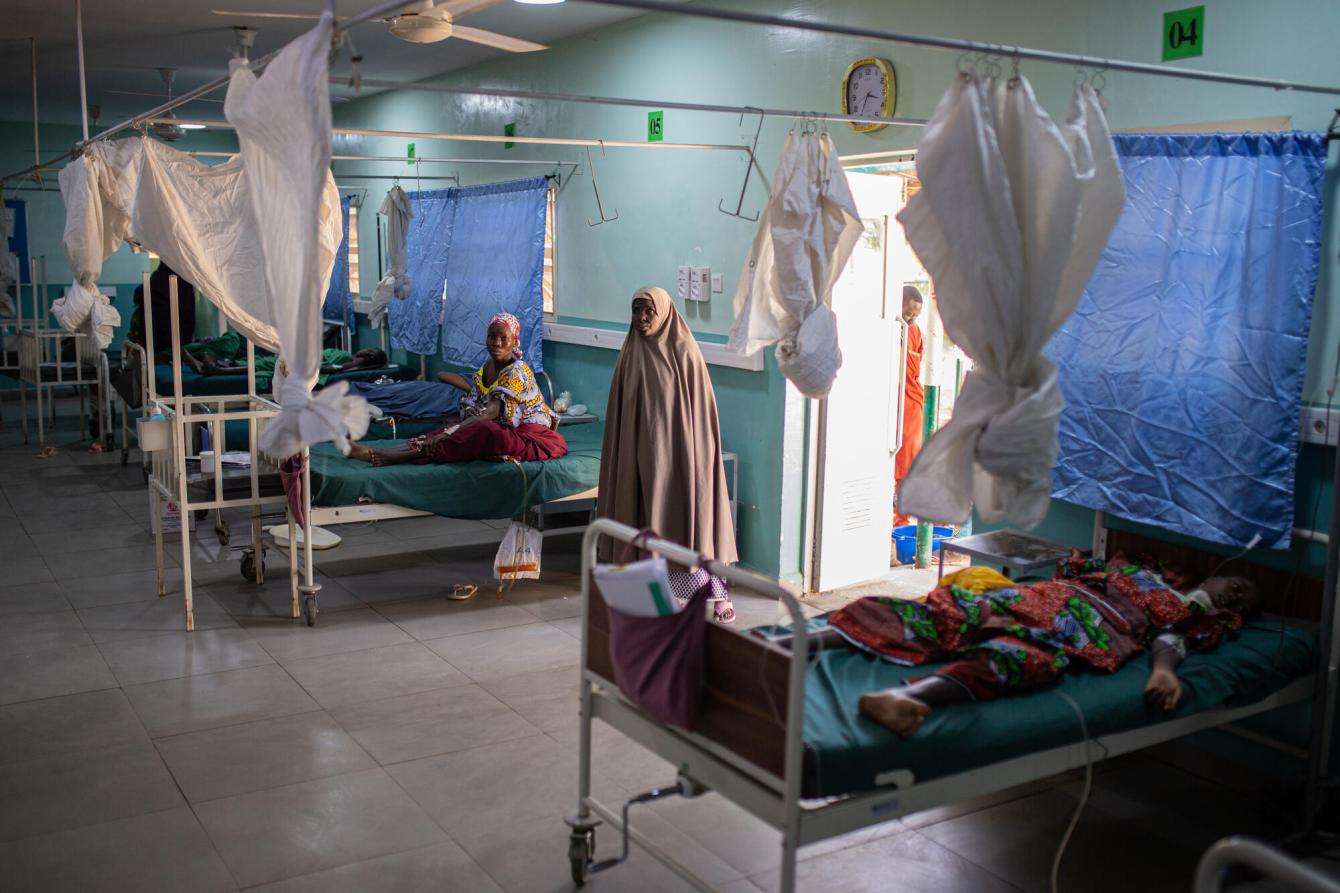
(548, 278)
(353, 249)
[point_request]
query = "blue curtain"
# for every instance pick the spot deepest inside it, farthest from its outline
(495, 263)
(339, 304)
(414, 321)
(1182, 368)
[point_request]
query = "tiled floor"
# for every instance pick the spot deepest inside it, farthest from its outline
(409, 742)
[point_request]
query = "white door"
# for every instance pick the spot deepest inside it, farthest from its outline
(858, 421)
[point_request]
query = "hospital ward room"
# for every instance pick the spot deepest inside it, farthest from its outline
(752, 446)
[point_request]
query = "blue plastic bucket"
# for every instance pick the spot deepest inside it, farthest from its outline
(905, 539)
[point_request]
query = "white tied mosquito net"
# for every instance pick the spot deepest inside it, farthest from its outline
(805, 235)
(257, 234)
(1012, 216)
(398, 211)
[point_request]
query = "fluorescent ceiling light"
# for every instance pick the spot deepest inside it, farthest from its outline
(191, 126)
(540, 2)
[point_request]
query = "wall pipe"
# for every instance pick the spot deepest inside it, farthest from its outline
(83, 81)
(641, 103)
(966, 46)
(37, 141)
(491, 138)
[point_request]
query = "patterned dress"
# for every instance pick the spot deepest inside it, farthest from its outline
(525, 429)
(1001, 637)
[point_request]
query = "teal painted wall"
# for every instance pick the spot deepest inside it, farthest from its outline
(667, 199)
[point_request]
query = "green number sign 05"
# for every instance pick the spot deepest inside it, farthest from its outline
(1184, 33)
(655, 126)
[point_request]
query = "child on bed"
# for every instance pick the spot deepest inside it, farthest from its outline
(1002, 637)
(503, 415)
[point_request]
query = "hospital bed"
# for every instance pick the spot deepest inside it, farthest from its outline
(779, 735)
(51, 358)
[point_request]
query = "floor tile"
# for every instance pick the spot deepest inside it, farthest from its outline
(474, 792)
(255, 756)
(146, 619)
(212, 700)
(161, 851)
(72, 790)
(547, 699)
(498, 653)
(48, 674)
(335, 680)
(902, 861)
(50, 631)
(64, 547)
(438, 617)
(426, 579)
(81, 723)
(444, 868)
(275, 598)
(118, 589)
(32, 598)
(546, 600)
(336, 632)
(170, 655)
(295, 830)
(409, 727)
(27, 570)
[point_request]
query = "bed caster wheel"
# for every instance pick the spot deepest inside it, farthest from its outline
(581, 852)
(309, 609)
(252, 570)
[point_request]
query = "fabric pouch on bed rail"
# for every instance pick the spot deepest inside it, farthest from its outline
(660, 660)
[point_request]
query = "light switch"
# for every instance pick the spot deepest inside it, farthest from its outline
(700, 284)
(718, 283)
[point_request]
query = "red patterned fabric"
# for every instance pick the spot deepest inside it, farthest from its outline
(489, 440)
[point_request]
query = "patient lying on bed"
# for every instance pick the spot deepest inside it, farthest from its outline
(503, 415)
(1002, 637)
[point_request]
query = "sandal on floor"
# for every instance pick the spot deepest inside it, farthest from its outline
(726, 616)
(463, 592)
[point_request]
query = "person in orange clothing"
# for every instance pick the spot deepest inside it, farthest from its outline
(914, 396)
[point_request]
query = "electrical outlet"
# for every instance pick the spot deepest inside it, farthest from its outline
(682, 283)
(718, 283)
(700, 284)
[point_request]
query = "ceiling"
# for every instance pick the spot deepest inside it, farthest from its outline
(126, 40)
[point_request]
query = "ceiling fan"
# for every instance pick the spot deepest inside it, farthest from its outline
(165, 129)
(424, 22)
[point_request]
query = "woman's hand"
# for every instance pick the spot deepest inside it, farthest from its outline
(1163, 690)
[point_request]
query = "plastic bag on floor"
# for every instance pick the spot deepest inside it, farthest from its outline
(519, 555)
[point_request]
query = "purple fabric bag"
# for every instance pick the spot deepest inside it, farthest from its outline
(660, 662)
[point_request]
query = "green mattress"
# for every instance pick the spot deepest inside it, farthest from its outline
(846, 753)
(225, 385)
(478, 490)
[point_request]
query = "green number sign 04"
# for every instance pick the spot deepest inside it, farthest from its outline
(409, 154)
(1184, 33)
(655, 126)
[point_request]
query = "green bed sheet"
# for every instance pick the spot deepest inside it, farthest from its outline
(846, 753)
(223, 385)
(477, 490)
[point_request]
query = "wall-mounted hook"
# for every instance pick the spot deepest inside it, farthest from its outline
(595, 187)
(749, 168)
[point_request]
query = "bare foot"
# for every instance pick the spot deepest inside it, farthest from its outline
(896, 711)
(362, 453)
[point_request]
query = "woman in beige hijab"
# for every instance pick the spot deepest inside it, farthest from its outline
(661, 463)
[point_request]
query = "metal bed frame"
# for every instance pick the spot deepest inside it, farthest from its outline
(1258, 856)
(40, 347)
(773, 685)
(169, 479)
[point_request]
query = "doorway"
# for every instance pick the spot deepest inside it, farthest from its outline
(861, 425)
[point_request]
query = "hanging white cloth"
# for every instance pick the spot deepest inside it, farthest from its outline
(1011, 218)
(396, 284)
(283, 129)
(805, 235)
(9, 269)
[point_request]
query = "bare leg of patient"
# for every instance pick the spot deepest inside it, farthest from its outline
(904, 709)
(392, 456)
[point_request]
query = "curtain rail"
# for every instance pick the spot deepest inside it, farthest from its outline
(966, 46)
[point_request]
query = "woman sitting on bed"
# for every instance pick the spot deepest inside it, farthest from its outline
(503, 415)
(1002, 637)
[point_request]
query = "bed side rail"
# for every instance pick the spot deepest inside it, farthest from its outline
(1266, 859)
(753, 700)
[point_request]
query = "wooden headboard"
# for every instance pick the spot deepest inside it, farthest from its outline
(736, 711)
(1284, 593)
